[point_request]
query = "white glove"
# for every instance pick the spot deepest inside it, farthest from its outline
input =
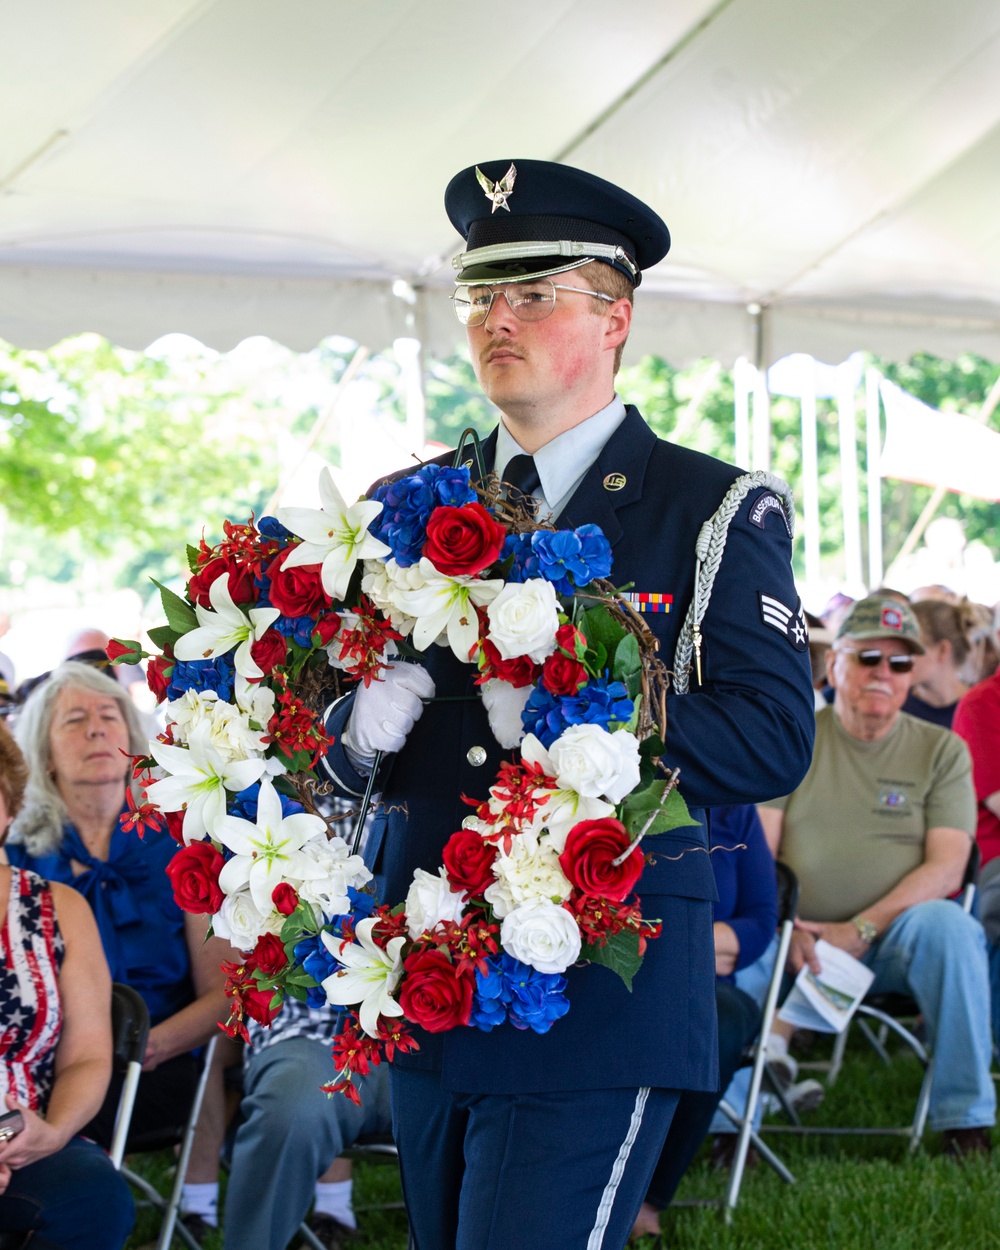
(385, 711)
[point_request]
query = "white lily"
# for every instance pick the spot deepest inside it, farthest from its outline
(199, 776)
(225, 628)
(269, 852)
(445, 607)
(368, 975)
(337, 535)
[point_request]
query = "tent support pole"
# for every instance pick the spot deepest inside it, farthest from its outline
(873, 468)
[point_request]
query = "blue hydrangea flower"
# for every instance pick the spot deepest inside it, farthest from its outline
(536, 1000)
(218, 675)
(298, 628)
(244, 804)
(488, 1006)
(513, 990)
(271, 527)
(599, 702)
(569, 559)
(312, 954)
(408, 503)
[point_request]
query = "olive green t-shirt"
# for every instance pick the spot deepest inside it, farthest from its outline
(857, 823)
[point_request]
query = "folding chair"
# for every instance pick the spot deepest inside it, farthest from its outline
(129, 1030)
(788, 898)
(888, 1011)
(171, 1206)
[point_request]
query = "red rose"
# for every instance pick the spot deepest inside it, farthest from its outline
(269, 651)
(284, 898)
(175, 826)
(269, 954)
(241, 583)
(158, 672)
(131, 652)
(468, 860)
(257, 1004)
(327, 628)
(570, 640)
(588, 860)
(298, 591)
(561, 675)
(463, 541)
(519, 672)
(194, 875)
(434, 994)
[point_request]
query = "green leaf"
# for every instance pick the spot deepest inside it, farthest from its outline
(628, 665)
(192, 558)
(640, 805)
(601, 629)
(620, 953)
(163, 637)
(180, 615)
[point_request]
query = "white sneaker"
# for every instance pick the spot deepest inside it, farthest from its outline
(783, 1067)
(806, 1095)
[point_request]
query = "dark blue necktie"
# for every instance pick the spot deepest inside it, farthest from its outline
(522, 474)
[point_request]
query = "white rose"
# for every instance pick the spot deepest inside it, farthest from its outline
(595, 763)
(187, 712)
(523, 620)
(529, 871)
(541, 934)
(504, 704)
(240, 921)
(257, 701)
(430, 900)
(341, 871)
(383, 582)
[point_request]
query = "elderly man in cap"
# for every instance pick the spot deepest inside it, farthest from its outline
(879, 835)
(512, 1138)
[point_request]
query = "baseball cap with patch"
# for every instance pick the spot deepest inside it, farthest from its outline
(881, 616)
(532, 219)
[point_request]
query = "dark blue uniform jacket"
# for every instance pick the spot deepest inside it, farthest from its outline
(744, 736)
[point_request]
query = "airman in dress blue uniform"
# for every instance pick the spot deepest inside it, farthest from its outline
(508, 1138)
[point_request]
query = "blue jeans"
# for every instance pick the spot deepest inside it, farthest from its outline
(290, 1134)
(936, 953)
(74, 1199)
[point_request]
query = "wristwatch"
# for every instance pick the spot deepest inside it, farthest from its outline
(867, 930)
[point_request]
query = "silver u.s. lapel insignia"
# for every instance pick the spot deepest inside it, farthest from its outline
(497, 192)
(614, 481)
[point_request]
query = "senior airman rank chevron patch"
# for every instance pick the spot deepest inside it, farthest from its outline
(648, 601)
(787, 621)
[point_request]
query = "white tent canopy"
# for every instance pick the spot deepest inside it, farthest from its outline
(236, 167)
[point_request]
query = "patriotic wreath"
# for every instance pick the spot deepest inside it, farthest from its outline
(282, 615)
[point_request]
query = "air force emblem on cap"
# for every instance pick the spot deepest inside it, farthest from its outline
(497, 192)
(785, 620)
(892, 618)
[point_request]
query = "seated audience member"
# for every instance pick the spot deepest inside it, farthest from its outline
(61, 1191)
(977, 721)
(290, 1134)
(878, 834)
(984, 653)
(819, 643)
(936, 685)
(746, 916)
(75, 730)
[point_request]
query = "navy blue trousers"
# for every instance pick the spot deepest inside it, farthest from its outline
(74, 1199)
(531, 1171)
(739, 1023)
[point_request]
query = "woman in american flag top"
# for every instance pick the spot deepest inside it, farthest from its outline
(57, 1188)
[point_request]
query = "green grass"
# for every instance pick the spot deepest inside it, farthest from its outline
(850, 1193)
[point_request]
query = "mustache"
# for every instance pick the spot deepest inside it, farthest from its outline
(505, 346)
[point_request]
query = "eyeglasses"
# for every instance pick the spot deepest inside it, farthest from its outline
(528, 301)
(872, 659)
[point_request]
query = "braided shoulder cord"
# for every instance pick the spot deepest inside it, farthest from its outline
(709, 549)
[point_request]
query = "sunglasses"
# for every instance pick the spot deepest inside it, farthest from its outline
(872, 659)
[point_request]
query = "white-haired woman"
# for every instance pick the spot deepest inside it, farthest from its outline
(77, 730)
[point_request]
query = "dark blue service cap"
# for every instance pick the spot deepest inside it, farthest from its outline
(524, 219)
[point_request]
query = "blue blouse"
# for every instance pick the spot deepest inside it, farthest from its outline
(141, 927)
(745, 880)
